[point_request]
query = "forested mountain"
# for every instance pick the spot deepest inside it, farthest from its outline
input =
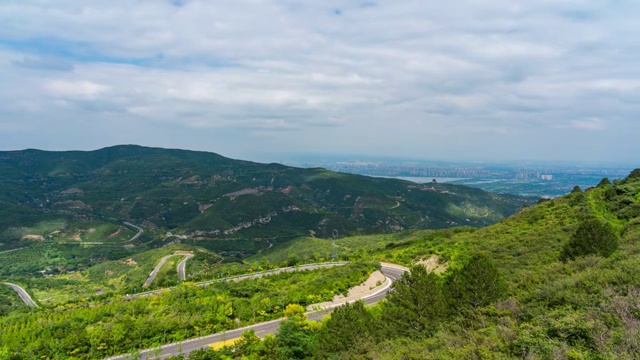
(201, 196)
(557, 280)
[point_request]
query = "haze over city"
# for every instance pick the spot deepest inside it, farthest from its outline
(504, 80)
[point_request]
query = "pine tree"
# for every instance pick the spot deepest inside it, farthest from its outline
(604, 182)
(415, 306)
(348, 327)
(476, 284)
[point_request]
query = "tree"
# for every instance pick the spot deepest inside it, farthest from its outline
(604, 182)
(294, 310)
(415, 306)
(248, 344)
(593, 237)
(576, 189)
(349, 326)
(477, 283)
(635, 174)
(295, 336)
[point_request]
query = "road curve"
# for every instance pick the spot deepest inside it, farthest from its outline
(155, 271)
(182, 273)
(12, 250)
(391, 271)
(250, 276)
(140, 231)
(23, 295)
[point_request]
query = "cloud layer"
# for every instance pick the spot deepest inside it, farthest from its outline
(469, 79)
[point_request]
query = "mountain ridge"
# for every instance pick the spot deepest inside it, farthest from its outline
(205, 196)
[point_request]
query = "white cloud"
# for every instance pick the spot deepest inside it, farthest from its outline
(74, 89)
(589, 124)
(351, 72)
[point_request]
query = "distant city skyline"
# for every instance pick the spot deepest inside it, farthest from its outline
(467, 81)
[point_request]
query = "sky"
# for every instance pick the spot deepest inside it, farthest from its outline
(465, 80)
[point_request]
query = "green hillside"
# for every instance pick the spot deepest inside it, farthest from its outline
(203, 196)
(559, 280)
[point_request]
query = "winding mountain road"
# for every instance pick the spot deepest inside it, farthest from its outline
(12, 250)
(23, 295)
(140, 231)
(182, 273)
(250, 276)
(391, 271)
(155, 271)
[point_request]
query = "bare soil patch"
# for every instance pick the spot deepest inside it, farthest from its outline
(375, 280)
(433, 264)
(115, 233)
(33, 237)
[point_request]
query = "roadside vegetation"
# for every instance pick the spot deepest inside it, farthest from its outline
(558, 280)
(90, 330)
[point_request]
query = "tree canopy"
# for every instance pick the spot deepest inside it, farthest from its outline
(593, 237)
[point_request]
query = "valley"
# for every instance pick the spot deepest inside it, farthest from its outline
(313, 180)
(93, 275)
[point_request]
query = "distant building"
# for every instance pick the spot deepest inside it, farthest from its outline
(546, 177)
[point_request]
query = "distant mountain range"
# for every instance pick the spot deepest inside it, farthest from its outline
(205, 196)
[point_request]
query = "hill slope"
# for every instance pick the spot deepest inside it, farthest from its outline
(550, 307)
(199, 195)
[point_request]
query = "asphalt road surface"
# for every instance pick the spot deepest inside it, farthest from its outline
(140, 231)
(182, 273)
(155, 271)
(391, 271)
(23, 295)
(252, 276)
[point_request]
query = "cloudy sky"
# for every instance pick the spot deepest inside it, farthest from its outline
(255, 79)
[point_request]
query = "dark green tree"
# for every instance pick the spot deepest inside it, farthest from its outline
(635, 174)
(296, 338)
(604, 182)
(576, 189)
(477, 283)
(415, 306)
(593, 237)
(294, 341)
(349, 327)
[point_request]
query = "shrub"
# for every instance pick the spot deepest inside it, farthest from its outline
(593, 237)
(476, 284)
(416, 306)
(604, 182)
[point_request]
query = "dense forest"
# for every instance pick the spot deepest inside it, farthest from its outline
(84, 197)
